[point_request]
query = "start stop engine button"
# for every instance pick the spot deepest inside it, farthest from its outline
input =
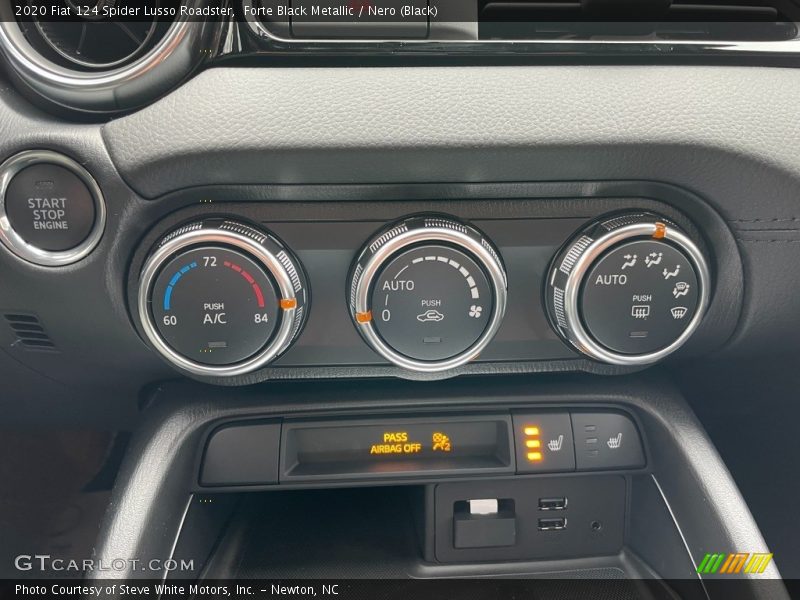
(51, 209)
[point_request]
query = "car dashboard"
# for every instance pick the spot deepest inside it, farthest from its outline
(460, 290)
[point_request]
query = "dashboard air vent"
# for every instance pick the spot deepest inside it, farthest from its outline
(79, 56)
(92, 42)
(29, 332)
(646, 20)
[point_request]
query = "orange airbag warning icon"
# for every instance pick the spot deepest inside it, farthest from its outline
(441, 442)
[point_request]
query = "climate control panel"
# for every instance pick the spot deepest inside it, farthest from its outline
(430, 293)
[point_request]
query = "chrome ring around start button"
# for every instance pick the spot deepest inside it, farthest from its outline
(25, 250)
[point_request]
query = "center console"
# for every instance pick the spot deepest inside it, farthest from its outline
(561, 477)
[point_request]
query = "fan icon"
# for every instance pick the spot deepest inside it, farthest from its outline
(475, 311)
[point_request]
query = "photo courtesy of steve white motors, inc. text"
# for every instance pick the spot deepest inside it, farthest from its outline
(160, 590)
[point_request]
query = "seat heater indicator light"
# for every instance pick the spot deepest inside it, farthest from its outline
(532, 443)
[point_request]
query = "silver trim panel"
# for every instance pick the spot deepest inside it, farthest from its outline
(463, 36)
(594, 47)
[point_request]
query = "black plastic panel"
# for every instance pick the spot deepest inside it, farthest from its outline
(403, 447)
(527, 232)
(242, 454)
(327, 250)
(392, 447)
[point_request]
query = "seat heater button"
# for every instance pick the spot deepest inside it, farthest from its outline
(606, 440)
(543, 442)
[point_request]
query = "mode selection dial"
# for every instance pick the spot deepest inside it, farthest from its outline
(428, 293)
(219, 297)
(629, 289)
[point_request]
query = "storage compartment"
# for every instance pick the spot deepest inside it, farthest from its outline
(566, 527)
(337, 534)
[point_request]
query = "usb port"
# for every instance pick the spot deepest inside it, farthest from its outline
(552, 503)
(552, 524)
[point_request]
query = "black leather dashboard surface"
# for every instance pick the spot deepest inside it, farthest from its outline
(720, 131)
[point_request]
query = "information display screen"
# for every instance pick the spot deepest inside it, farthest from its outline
(425, 446)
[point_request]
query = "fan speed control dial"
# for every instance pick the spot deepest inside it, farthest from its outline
(428, 293)
(629, 289)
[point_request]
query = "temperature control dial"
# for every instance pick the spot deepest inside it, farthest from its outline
(628, 290)
(219, 297)
(428, 293)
